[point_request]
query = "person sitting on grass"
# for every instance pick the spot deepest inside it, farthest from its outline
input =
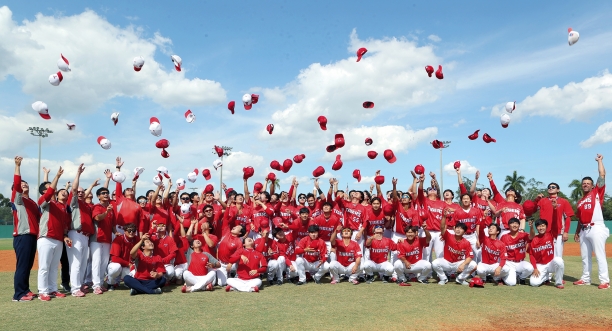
(348, 256)
(251, 264)
(121, 248)
(458, 253)
(542, 256)
(149, 276)
(410, 256)
(200, 275)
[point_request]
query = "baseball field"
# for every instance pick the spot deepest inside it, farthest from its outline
(321, 307)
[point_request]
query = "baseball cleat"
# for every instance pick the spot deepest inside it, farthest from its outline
(57, 295)
(133, 291)
(461, 282)
(317, 281)
(334, 282)
(581, 282)
(98, 290)
(404, 284)
(279, 282)
(385, 279)
(158, 291)
(44, 297)
(184, 289)
(24, 298)
(78, 294)
(560, 287)
(300, 283)
(210, 287)
(443, 282)
(423, 281)
(355, 282)
(256, 289)
(228, 288)
(604, 286)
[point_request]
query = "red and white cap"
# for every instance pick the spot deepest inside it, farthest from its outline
(457, 165)
(231, 105)
(217, 164)
(368, 141)
(379, 180)
(138, 63)
(572, 36)
(247, 172)
(337, 164)
(180, 183)
(155, 127)
(206, 174)
(429, 70)
(270, 128)
(368, 104)
(115, 117)
(419, 169)
(104, 143)
(318, 172)
(192, 176)
(361, 52)
(372, 155)
(389, 156)
(254, 98)
(163, 171)
(439, 73)
(42, 109)
(357, 175)
(209, 188)
(474, 135)
(322, 122)
(118, 177)
(275, 165)
(247, 101)
(488, 139)
(257, 187)
(177, 62)
(339, 140)
(63, 64)
(271, 177)
(504, 120)
(299, 158)
(137, 172)
(185, 209)
(510, 106)
(56, 79)
(157, 180)
(71, 126)
(189, 116)
(287, 164)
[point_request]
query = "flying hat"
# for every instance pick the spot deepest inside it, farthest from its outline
(257, 187)
(389, 156)
(572, 36)
(271, 177)
(270, 128)
(137, 172)
(104, 143)
(42, 109)
(189, 116)
(247, 100)
(163, 144)
(379, 180)
(138, 63)
(206, 174)
(180, 183)
(163, 171)
(419, 169)
(275, 165)
(504, 120)
(118, 177)
(357, 175)
(115, 117)
(437, 144)
(488, 138)
(510, 106)
(322, 122)
(217, 164)
(439, 73)
(248, 172)
(368, 141)
(56, 79)
(71, 126)
(209, 188)
(157, 181)
(476, 282)
(429, 70)
(529, 207)
(63, 64)
(287, 164)
(474, 135)
(457, 165)
(368, 104)
(339, 140)
(319, 171)
(360, 53)
(192, 176)
(165, 154)
(372, 154)
(155, 127)
(231, 106)
(299, 158)
(388, 210)
(177, 62)
(337, 164)
(330, 148)
(219, 151)
(185, 209)
(254, 98)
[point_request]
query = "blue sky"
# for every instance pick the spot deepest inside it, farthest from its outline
(300, 57)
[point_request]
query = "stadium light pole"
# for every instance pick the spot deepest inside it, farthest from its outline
(40, 133)
(226, 152)
(445, 144)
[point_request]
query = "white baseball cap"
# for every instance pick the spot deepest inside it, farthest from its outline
(163, 170)
(247, 101)
(180, 183)
(115, 117)
(217, 164)
(63, 64)
(42, 109)
(138, 63)
(56, 79)
(104, 143)
(505, 120)
(177, 62)
(510, 106)
(185, 209)
(157, 181)
(572, 36)
(192, 176)
(137, 172)
(118, 177)
(155, 127)
(189, 116)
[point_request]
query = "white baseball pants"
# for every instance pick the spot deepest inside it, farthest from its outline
(100, 253)
(421, 267)
(198, 283)
(336, 269)
(555, 266)
(370, 267)
(116, 272)
(436, 244)
(305, 266)
(472, 239)
(179, 269)
(221, 273)
(282, 266)
(78, 255)
(592, 241)
(483, 270)
(441, 266)
(49, 255)
(242, 285)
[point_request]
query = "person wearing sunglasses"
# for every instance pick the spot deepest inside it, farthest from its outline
(433, 208)
(507, 208)
(559, 227)
(481, 198)
(379, 248)
(103, 216)
(120, 264)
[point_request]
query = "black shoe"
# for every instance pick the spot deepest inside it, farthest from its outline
(424, 281)
(522, 282)
(344, 277)
(386, 279)
(317, 281)
(300, 283)
(361, 279)
(369, 279)
(66, 287)
(270, 282)
(279, 282)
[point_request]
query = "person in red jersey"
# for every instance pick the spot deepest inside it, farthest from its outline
(472, 218)
(127, 209)
(236, 214)
(228, 245)
(200, 275)
(269, 249)
(313, 258)
(410, 256)
(481, 199)
(592, 232)
(542, 256)
(433, 210)
(251, 264)
(494, 257)
(210, 199)
(204, 234)
(516, 247)
(380, 248)
(508, 208)
(354, 214)
(458, 254)
(559, 227)
(149, 275)
(104, 220)
(286, 259)
(157, 212)
(327, 222)
(299, 226)
(348, 252)
(165, 247)
(284, 209)
(406, 214)
(374, 217)
(120, 252)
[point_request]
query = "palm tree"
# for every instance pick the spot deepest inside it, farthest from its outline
(516, 182)
(577, 191)
(277, 185)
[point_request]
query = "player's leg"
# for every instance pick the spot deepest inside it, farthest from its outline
(348, 270)
(179, 269)
(369, 267)
(423, 268)
(138, 286)
(65, 270)
(440, 266)
(45, 256)
(510, 279)
(113, 272)
(301, 269)
(334, 269)
(559, 246)
(236, 284)
(253, 284)
(282, 266)
(524, 269)
(170, 271)
(105, 258)
(558, 267)
(221, 273)
(77, 259)
(272, 268)
(598, 238)
(190, 279)
(586, 251)
(483, 270)
(505, 274)
(400, 271)
(537, 281)
(467, 270)
(386, 268)
(321, 270)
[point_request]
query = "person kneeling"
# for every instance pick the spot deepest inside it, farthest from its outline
(149, 276)
(458, 253)
(494, 257)
(251, 264)
(542, 256)
(410, 256)
(348, 256)
(199, 276)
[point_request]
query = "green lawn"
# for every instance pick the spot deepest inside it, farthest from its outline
(6, 244)
(328, 307)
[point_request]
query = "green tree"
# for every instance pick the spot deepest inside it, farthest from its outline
(577, 190)
(516, 182)
(607, 208)
(6, 214)
(533, 188)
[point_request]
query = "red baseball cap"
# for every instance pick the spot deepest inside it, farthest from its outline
(287, 164)
(337, 164)
(372, 154)
(275, 165)
(206, 174)
(379, 180)
(322, 122)
(529, 207)
(419, 169)
(474, 135)
(339, 140)
(476, 282)
(429, 70)
(299, 158)
(231, 106)
(488, 138)
(254, 98)
(389, 156)
(265, 224)
(271, 177)
(357, 175)
(439, 73)
(330, 148)
(360, 53)
(162, 143)
(368, 104)
(257, 187)
(209, 188)
(437, 144)
(457, 165)
(165, 154)
(270, 128)
(247, 172)
(219, 151)
(388, 210)
(368, 141)
(319, 171)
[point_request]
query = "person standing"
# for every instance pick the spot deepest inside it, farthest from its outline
(104, 220)
(559, 226)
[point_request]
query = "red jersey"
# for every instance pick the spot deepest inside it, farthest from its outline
(589, 207)
(256, 262)
(471, 218)
(126, 210)
(80, 215)
(326, 225)
(380, 249)
(516, 247)
(555, 221)
(285, 212)
(456, 251)
(354, 214)
(405, 217)
(228, 246)
(182, 245)
(198, 265)
(299, 229)
(121, 248)
(146, 264)
(513, 209)
(205, 248)
(261, 214)
(164, 248)
(234, 216)
(347, 254)
(412, 252)
(103, 228)
(26, 214)
(493, 250)
(541, 249)
(433, 209)
(318, 245)
(287, 248)
(267, 247)
(372, 219)
(54, 220)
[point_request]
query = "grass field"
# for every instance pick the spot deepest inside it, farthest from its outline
(327, 307)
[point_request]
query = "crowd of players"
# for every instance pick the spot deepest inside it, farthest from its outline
(241, 241)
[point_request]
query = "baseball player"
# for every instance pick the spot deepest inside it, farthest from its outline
(433, 207)
(508, 208)
(200, 275)
(410, 253)
(592, 232)
(120, 264)
(251, 264)
(348, 256)
(542, 256)
(149, 275)
(165, 247)
(269, 249)
(494, 256)
(559, 226)
(104, 220)
(286, 259)
(516, 247)
(314, 256)
(228, 245)
(327, 222)
(380, 248)
(299, 226)
(458, 254)
(471, 217)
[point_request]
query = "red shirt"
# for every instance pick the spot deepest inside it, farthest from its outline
(54, 220)
(471, 218)
(516, 247)
(318, 245)
(412, 252)
(380, 249)
(127, 210)
(267, 247)
(121, 248)
(198, 263)
(299, 229)
(589, 207)
(541, 249)
(182, 245)
(404, 218)
(205, 247)
(261, 214)
(256, 262)
(287, 248)
(326, 225)
(354, 214)
(103, 228)
(146, 264)
(493, 250)
(555, 221)
(433, 209)
(165, 248)
(372, 219)
(347, 254)
(80, 216)
(228, 246)
(513, 210)
(456, 251)
(285, 212)
(159, 215)
(235, 217)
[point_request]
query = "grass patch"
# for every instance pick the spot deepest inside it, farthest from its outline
(316, 307)
(6, 244)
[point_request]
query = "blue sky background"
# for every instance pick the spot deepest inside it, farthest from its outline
(492, 53)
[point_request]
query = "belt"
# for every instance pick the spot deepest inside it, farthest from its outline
(586, 226)
(515, 261)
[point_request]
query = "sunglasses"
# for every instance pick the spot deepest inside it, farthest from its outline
(185, 198)
(81, 191)
(208, 211)
(302, 198)
(142, 201)
(405, 196)
(104, 193)
(161, 224)
(130, 231)
(553, 187)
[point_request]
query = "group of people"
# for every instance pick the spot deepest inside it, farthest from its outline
(240, 240)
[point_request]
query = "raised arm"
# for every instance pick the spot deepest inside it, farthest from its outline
(460, 180)
(602, 171)
(90, 188)
(473, 187)
(46, 175)
(247, 195)
(108, 175)
(394, 194)
(378, 190)
(496, 196)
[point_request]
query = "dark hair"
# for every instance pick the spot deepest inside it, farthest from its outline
(192, 195)
(276, 195)
(101, 190)
(313, 228)
(588, 178)
(553, 183)
(468, 195)
(242, 230)
(375, 199)
(367, 194)
(127, 188)
(58, 191)
(141, 197)
(310, 195)
(149, 192)
(488, 189)
(541, 222)
(237, 194)
(496, 226)
(129, 226)
(514, 220)
(412, 228)
(327, 203)
(143, 242)
(275, 231)
(301, 195)
(304, 211)
(184, 194)
(451, 192)
(208, 206)
(461, 225)
(23, 181)
(171, 195)
(341, 191)
(266, 194)
(210, 226)
(43, 187)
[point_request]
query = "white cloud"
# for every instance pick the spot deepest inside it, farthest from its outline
(466, 168)
(101, 57)
(602, 135)
(434, 38)
(233, 164)
(459, 123)
(574, 101)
